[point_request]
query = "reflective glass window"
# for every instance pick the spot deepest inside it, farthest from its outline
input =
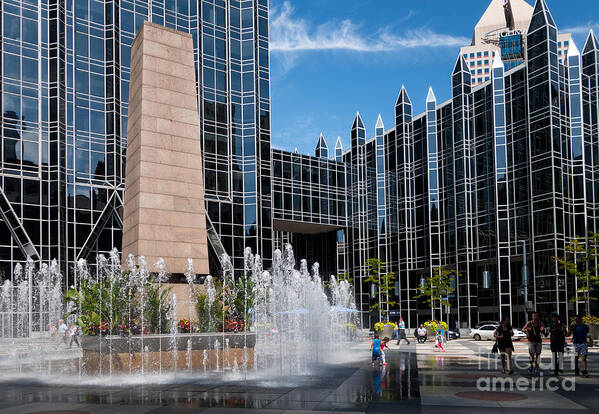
(30, 111)
(96, 85)
(97, 11)
(12, 66)
(29, 31)
(96, 45)
(127, 22)
(30, 153)
(97, 122)
(247, 18)
(12, 107)
(29, 70)
(81, 9)
(219, 16)
(12, 26)
(82, 119)
(82, 161)
(208, 13)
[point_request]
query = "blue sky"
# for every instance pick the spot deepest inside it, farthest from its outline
(332, 58)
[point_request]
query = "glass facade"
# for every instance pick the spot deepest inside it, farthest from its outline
(470, 181)
(464, 184)
(512, 50)
(65, 91)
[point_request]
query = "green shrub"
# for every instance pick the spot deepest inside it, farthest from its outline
(210, 318)
(588, 319)
(380, 326)
(434, 325)
(109, 305)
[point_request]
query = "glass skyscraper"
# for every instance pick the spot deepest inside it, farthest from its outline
(464, 184)
(468, 183)
(65, 91)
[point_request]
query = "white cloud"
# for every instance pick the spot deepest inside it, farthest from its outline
(291, 34)
(582, 29)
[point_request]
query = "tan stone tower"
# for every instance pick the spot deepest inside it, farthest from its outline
(164, 213)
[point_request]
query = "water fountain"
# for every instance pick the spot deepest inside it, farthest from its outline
(280, 321)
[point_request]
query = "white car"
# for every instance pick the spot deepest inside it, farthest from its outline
(484, 332)
(518, 334)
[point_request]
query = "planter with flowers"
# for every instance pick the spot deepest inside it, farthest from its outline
(184, 326)
(432, 326)
(385, 328)
(593, 322)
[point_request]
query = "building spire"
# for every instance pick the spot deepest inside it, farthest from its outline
(573, 50)
(497, 62)
(591, 43)
(541, 16)
(358, 121)
(322, 150)
(358, 132)
(338, 150)
(379, 123)
(461, 65)
(431, 95)
(403, 96)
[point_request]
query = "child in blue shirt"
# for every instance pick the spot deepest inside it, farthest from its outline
(376, 349)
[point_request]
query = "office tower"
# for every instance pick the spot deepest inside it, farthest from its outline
(502, 29)
(65, 93)
(508, 162)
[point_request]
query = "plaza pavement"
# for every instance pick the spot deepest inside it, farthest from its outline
(417, 380)
(467, 378)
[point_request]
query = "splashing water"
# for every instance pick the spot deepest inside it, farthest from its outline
(292, 322)
(216, 349)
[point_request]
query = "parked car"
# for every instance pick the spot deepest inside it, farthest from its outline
(518, 334)
(482, 323)
(453, 334)
(484, 332)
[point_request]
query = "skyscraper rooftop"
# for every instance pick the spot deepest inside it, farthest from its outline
(502, 29)
(502, 15)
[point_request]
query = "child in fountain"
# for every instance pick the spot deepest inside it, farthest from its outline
(62, 330)
(376, 347)
(384, 343)
(74, 335)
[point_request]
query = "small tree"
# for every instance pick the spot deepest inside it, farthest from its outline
(345, 277)
(383, 280)
(581, 262)
(437, 288)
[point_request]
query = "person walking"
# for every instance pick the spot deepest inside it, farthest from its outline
(579, 332)
(440, 340)
(534, 328)
(558, 338)
(402, 332)
(503, 337)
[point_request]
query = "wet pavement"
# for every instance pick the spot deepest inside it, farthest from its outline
(347, 387)
(416, 380)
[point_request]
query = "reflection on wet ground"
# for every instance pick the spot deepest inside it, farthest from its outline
(413, 382)
(356, 387)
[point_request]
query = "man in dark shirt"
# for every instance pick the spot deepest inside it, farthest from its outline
(579, 332)
(534, 329)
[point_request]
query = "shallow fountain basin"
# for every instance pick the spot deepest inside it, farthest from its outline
(165, 353)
